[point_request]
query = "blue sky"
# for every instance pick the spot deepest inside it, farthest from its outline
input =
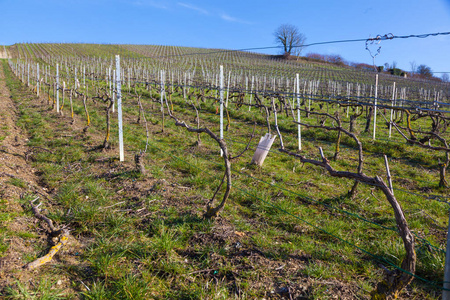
(233, 24)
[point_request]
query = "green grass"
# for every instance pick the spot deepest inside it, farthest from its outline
(144, 237)
(45, 289)
(17, 182)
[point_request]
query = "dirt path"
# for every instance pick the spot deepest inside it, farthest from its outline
(12, 147)
(18, 230)
(3, 53)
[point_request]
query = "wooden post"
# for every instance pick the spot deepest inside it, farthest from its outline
(388, 172)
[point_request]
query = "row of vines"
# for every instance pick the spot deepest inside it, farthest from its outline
(315, 113)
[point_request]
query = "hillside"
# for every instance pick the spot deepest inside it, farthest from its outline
(289, 229)
(246, 62)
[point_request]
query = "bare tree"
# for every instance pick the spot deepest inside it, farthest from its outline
(394, 64)
(413, 65)
(290, 38)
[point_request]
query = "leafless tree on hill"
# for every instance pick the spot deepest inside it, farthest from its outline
(290, 38)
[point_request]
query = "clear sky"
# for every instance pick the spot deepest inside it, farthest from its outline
(233, 24)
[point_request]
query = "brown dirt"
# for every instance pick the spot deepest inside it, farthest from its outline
(25, 235)
(4, 53)
(277, 278)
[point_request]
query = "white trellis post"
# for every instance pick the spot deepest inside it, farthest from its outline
(63, 91)
(184, 87)
(114, 89)
(251, 93)
(221, 105)
(446, 291)
(392, 110)
(310, 95)
(119, 107)
(75, 80)
(228, 88)
(375, 108)
(276, 119)
(129, 78)
(358, 94)
(57, 88)
(299, 127)
(246, 88)
(109, 80)
(163, 77)
(348, 97)
(171, 81)
(37, 80)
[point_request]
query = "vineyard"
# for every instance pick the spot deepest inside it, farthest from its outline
(233, 175)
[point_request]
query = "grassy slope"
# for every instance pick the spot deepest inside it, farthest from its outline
(143, 236)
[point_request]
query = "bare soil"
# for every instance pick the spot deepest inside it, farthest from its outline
(18, 179)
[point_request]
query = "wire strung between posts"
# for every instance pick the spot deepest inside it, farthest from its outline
(320, 98)
(389, 36)
(414, 104)
(438, 198)
(321, 229)
(378, 38)
(430, 197)
(314, 97)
